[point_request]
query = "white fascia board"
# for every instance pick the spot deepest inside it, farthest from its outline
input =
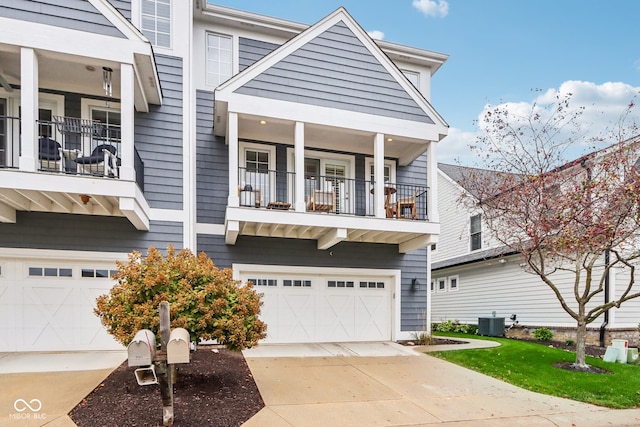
(210, 229)
(417, 243)
(170, 215)
(243, 214)
(232, 229)
(118, 20)
(51, 254)
(292, 111)
(72, 42)
(135, 213)
(58, 183)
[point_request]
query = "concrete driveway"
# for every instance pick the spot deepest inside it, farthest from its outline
(318, 389)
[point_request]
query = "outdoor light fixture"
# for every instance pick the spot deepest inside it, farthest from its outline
(415, 285)
(106, 81)
(85, 198)
(263, 122)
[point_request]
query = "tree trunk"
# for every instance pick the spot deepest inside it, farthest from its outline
(581, 342)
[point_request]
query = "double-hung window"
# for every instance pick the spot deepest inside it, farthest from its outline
(219, 59)
(156, 22)
(476, 232)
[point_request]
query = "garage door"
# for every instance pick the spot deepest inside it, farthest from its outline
(47, 306)
(324, 308)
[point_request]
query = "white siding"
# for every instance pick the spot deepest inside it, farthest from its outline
(507, 289)
(628, 315)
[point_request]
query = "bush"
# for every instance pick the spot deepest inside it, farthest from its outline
(543, 334)
(422, 338)
(570, 342)
(204, 300)
(454, 326)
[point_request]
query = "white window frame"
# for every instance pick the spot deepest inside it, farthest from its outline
(87, 105)
(434, 287)
(157, 18)
(457, 280)
(471, 233)
(368, 164)
(207, 62)
(440, 280)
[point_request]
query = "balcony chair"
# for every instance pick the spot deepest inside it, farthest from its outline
(321, 201)
(249, 196)
(50, 155)
(409, 203)
(103, 161)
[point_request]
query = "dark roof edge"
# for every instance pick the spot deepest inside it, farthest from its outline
(471, 258)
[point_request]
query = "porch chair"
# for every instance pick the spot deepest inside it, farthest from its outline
(103, 161)
(50, 155)
(322, 201)
(407, 203)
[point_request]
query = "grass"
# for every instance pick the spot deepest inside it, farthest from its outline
(530, 366)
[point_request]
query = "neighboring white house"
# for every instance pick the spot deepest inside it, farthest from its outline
(474, 276)
(301, 156)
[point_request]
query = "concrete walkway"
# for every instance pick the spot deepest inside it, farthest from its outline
(340, 389)
(40, 389)
(358, 384)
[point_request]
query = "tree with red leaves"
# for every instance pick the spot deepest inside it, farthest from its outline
(580, 218)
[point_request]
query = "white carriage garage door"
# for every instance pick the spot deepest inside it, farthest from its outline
(48, 306)
(306, 308)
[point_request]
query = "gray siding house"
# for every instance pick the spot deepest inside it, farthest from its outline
(302, 157)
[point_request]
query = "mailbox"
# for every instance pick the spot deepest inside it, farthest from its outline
(146, 376)
(178, 346)
(142, 348)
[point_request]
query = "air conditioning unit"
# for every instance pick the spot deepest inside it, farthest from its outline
(491, 326)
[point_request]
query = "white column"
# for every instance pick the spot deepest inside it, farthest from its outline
(432, 182)
(378, 173)
(232, 142)
(300, 205)
(127, 114)
(29, 109)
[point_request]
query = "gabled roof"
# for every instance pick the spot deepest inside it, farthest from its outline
(459, 174)
(334, 64)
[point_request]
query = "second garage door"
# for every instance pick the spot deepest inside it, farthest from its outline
(324, 308)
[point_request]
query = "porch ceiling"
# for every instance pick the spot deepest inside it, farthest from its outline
(268, 129)
(43, 192)
(329, 229)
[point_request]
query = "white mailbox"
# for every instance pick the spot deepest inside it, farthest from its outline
(142, 349)
(178, 346)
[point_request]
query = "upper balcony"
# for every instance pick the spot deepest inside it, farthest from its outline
(67, 123)
(328, 184)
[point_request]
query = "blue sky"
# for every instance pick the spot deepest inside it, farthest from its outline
(501, 51)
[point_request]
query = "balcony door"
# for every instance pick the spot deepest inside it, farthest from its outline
(4, 134)
(330, 175)
(257, 166)
(389, 177)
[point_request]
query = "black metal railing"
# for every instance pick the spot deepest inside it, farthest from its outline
(9, 141)
(266, 188)
(329, 193)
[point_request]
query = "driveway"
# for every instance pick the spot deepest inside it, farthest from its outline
(320, 387)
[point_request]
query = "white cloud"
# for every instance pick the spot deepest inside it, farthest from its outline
(435, 8)
(376, 35)
(454, 148)
(602, 107)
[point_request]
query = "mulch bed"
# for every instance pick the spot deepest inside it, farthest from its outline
(215, 389)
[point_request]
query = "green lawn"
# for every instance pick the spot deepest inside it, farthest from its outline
(530, 366)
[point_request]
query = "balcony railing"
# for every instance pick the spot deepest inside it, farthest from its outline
(331, 194)
(69, 145)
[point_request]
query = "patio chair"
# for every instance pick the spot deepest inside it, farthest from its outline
(321, 201)
(103, 161)
(50, 155)
(404, 204)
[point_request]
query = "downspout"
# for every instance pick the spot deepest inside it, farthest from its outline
(606, 298)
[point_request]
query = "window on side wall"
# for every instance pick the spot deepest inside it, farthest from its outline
(219, 59)
(476, 232)
(442, 285)
(156, 22)
(453, 283)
